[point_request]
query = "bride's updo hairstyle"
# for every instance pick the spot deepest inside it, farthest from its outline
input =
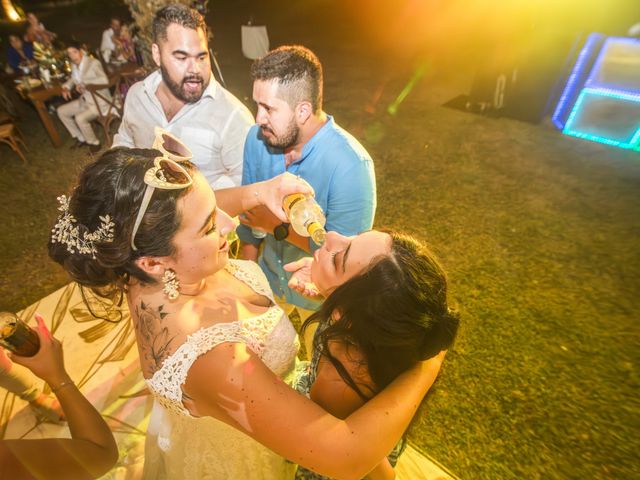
(114, 185)
(395, 312)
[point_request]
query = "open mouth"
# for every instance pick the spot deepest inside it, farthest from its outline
(224, 247)
(192, 85)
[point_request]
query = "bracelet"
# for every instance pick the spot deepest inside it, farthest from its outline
(65, 383)
(256, 197)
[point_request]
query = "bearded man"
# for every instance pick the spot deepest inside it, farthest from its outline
(294, 134)
(184, 98)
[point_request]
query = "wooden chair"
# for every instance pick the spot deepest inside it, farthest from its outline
(103, 62)
(6, 103)
(6, 117)
(128, 78)
(109, 109)
(10, 136)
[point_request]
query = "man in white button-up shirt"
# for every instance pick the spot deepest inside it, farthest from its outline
(184, 98)
(107, 45)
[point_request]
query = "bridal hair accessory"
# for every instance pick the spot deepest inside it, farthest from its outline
(171, 284)
(67, 231)
(166, 174)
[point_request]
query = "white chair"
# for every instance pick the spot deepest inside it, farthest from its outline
(255, 41)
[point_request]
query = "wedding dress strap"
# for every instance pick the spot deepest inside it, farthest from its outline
(167, 382)
(251, 274)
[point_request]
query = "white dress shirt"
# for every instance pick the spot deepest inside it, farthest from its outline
(76, 69)
(107, 46)
(89, 72)
(214, 128)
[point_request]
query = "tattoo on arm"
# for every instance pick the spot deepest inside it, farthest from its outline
(153, 337)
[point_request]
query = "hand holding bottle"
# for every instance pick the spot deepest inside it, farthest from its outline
(306, 216)
(16, 336)
(48, 363)
(90, 452)
(270, 193)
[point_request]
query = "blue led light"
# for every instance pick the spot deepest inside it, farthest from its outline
(569, 129)
(597, 66)
(571, 85)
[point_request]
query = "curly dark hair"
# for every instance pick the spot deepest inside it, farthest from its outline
(395, 312)
(113, 185)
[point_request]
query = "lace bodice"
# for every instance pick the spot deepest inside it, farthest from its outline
(269, 335)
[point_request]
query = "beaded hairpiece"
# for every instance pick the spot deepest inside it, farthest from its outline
(66, 231)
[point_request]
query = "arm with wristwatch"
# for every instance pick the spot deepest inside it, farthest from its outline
(262, 219)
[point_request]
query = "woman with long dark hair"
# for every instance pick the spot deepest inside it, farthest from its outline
(214, 346)
(385, 310)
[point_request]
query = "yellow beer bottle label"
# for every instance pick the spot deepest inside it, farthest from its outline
(290, 200)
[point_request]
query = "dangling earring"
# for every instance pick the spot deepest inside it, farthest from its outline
(171, 284)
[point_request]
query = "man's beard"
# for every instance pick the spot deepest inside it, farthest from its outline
(288, 139)
(177, 89)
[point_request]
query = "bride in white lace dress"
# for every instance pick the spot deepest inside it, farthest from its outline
(245, 312)
(214, 347)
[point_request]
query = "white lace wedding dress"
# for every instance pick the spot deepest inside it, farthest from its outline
(180, 446)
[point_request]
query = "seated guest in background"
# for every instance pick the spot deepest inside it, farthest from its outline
(89, 453)
(124, 50)
(107, 46)
(138, 44)
(36, 31)
(77, 114)
(183, 97)
(19, 52)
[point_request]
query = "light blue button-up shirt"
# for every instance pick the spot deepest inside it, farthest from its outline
(342, 175)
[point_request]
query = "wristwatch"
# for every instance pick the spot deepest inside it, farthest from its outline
(281, 231)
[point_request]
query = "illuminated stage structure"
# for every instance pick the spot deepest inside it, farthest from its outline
(601, 99)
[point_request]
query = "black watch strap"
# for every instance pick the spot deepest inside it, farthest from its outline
(281, 231)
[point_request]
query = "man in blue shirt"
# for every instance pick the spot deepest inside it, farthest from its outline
(294, 134)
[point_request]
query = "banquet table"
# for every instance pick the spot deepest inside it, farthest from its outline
(40, 94)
